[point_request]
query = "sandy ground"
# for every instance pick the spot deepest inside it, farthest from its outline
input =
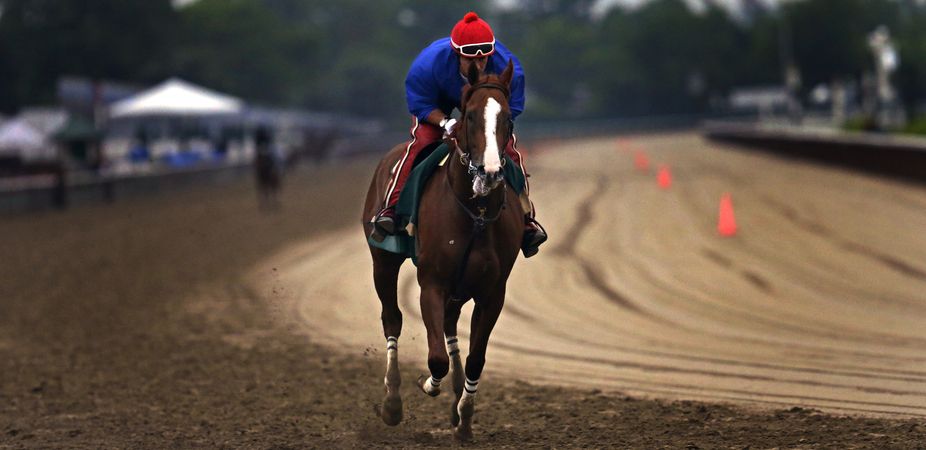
(195, 321)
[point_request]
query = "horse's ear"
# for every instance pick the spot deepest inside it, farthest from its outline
(472, 75)
(507, 74)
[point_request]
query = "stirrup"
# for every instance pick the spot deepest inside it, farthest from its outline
(383, 224)
(530, 245)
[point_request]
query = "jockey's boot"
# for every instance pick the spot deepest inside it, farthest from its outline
(383, 224)
(534, 235)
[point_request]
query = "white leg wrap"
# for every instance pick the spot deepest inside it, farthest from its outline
(453, 348)
(467, 405)
(469, 389)
(432, 385)
(392, 355)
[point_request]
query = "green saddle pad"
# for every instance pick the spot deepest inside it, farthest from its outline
(407, 207)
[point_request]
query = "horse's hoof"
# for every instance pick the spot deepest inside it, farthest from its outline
(463, 435)
(422, 379)
(391, 412)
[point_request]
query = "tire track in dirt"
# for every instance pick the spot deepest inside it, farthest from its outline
(855, 335)
(567, 249)
(703, 306)
(656, 368)
(761, 282)
(624, 307)
(721, 394)
(584, 217)
(892, 262)
(406, 298)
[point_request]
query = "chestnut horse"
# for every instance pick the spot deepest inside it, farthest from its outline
(469, 231)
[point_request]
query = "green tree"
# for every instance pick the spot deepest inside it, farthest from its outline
(664, 58)
(367, 48)
(829, 38)
(41, 40)
(243, 48)
(911, 75)
(352, 55)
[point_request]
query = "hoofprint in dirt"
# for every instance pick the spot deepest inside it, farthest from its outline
(137, 326)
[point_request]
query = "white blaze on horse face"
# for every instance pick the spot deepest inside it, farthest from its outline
(491, 159)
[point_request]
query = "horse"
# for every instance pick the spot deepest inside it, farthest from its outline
(266, 170)
(469, 231)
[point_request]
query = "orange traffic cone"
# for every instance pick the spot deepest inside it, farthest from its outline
(641, 161)
(726, 222)
(664, 178)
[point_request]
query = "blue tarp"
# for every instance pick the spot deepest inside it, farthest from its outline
(183, 159)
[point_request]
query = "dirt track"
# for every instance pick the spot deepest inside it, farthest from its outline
(195, 321)
(819, 301)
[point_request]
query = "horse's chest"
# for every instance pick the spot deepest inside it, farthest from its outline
(480, 265)
(483, 265)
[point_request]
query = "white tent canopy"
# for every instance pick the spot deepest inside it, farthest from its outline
(176, 97)
(18, 138)
(46, 120)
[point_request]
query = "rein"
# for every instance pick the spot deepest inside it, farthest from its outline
(480, 221)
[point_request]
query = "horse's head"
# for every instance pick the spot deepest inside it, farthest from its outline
(485, 127)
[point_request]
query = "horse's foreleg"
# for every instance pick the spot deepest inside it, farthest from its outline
(432, 311)
(391, 411)
(385, 277)
(485, 315)
(452, 316)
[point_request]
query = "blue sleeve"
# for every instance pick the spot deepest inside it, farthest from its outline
(421, 88)
(517, 90)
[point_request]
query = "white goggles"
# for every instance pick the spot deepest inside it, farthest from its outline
(475, 50)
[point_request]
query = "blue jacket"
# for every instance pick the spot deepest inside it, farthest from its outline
(434, 80)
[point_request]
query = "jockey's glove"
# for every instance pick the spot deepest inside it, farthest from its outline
(448, 125)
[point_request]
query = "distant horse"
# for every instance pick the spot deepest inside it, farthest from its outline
(469, 230)
(267, 170)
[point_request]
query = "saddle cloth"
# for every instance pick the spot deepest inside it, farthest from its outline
(407, 208)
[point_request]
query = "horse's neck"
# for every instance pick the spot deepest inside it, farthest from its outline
(460, 182)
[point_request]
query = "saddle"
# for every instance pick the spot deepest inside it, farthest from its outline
(403, 242)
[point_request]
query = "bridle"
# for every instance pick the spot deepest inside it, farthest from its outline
(465, 159)
(480, 221)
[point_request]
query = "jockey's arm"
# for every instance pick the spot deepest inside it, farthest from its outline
(435, 117)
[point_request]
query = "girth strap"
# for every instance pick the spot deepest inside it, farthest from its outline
(480, 222)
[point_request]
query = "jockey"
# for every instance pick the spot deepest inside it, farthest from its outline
(433, 87)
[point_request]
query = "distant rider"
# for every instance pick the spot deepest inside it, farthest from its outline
(432, 89)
